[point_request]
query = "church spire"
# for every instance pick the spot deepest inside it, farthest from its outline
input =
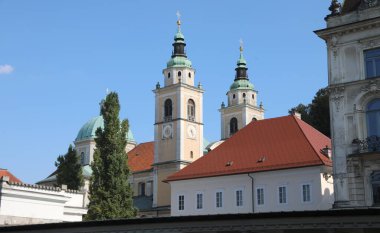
(179, 40)
(241, 69)
(179, 57)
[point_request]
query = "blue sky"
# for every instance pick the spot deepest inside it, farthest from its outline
(57, 58)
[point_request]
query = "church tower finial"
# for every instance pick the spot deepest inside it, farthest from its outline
(241, 69)
(179, 57)
(241, 46)
(178, 20)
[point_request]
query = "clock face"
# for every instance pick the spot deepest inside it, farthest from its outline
(167, 131)
(191, 131)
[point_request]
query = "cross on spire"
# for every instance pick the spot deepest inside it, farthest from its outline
(241, 45)
(178, 19)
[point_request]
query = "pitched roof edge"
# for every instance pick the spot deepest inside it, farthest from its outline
(307, 139)
(203, 175)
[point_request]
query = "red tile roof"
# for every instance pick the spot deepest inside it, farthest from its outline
(277, 143)
(12, 178)
(141, 157)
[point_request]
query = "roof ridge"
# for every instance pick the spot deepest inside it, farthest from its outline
(307, 138)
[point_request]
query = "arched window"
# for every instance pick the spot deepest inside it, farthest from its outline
(373, 118)
(169, 75)
(375, 180)
(189, 75)
(254, 119)
(233, 96)
(233, 125)
(243, 95)
(168, 110)
(190, 110)
(141, 189)
(179, 73)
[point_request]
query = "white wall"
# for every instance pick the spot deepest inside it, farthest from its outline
(270, 181)
(36, 204)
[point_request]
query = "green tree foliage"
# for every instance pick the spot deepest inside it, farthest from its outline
(317, 113)
(110, 192)
(69, 170)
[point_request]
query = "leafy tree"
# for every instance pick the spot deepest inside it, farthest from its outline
(320, 111)
(304, 110)
(317, 113)
(110, 192)
(69, 170)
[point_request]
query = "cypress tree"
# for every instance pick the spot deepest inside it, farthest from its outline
(69, 170)
(110, 192)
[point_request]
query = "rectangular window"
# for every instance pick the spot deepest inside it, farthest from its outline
(306, 193)
(199, 201)
(181, 202)
(372, 63)
(260, 196)
(219, 199)
(239, 197)
(282, 194)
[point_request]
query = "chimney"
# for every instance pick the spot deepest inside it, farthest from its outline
(4, 179)
(296, 114)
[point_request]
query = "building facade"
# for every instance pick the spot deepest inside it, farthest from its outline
(278, 164)
(352, 36)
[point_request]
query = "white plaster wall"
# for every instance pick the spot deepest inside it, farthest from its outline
(43, 205)
(270, 181)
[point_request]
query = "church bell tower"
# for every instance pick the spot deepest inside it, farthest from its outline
(242, 105)
(178, 128)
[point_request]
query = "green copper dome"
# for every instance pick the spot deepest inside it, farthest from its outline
(241, 62)
(242, 84)
(178, 62)
(179, 36)
(88, 130)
